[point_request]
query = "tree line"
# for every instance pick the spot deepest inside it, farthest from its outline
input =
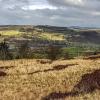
(24, 52)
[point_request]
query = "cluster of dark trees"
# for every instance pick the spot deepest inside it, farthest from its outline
(25, 52)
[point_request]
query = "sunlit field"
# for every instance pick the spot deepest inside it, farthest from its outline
(44, 35)
(45, 80)
(52, 36)
(10, 32)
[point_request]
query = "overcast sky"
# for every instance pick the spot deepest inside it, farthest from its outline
(50, 12)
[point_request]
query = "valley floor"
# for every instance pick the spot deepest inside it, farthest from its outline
(45, 80)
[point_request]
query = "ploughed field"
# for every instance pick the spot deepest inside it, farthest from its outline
(33, 79)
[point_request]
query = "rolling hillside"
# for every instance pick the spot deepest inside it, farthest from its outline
(54, 33)
(43, 36)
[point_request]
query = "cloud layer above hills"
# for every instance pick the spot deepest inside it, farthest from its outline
(51, 12)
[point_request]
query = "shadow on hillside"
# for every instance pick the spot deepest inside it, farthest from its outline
(55, 96)
(55, 68)
(88, 84)
(92, 57)
(6, 67)
(44, 61)
(2, 68)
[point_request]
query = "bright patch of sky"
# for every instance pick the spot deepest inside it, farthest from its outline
(39, 6)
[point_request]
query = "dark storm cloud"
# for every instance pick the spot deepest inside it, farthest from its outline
(52, 12)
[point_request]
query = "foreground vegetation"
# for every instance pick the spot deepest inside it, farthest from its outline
(46, 80)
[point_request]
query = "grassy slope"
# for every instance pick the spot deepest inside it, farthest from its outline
(46, 79)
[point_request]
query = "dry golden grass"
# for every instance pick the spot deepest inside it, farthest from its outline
(31, 80)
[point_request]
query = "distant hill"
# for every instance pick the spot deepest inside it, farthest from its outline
(71, 34)
(86, 37)
(55, 29)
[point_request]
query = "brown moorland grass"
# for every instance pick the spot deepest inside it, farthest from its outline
(76, 79)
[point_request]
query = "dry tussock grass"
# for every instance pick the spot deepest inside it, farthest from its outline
(31, 80)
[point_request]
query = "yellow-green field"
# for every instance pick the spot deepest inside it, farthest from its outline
(10, 32)
(52, 36)
(47, 36)
(45, 80)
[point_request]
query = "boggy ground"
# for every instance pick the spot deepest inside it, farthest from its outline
(76, 79)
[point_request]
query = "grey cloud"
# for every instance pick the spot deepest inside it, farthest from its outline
(84, 13)
(63, 3)
(85, 4)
